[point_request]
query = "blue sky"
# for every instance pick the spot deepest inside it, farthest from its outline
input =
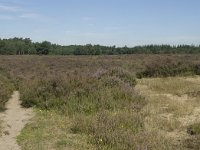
(105, 22)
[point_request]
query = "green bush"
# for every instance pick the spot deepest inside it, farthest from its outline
(194, 141)
(197, 69)
(124, 76)
(44, 93)
(169, 68)
(194, 129)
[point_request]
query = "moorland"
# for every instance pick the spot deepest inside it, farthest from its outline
(117, 102)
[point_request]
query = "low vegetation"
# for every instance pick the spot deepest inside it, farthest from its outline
(108, 117)
(96, 102)
(6, 89)
(169, 68)
(51, 130)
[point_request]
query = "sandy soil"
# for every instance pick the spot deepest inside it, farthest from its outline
(14, 119)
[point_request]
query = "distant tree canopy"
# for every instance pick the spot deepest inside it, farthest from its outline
(20, 46)
(43, 48)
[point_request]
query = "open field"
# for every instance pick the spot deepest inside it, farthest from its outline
(96, 102)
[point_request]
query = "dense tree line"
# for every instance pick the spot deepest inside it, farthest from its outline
(20, 46)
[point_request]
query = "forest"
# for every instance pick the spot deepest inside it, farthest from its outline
(25, 46)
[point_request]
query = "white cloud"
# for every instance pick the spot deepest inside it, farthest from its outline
(12, 12)
(9, 8)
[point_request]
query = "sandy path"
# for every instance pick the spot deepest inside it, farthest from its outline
(14, 119)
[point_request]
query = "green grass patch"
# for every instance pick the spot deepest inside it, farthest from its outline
(50, 129)
(194, 129)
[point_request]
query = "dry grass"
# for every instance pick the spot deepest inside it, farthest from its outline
(170, 108)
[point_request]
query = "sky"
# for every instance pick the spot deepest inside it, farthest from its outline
(105, 22)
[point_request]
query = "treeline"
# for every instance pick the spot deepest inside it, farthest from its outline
(20, 46)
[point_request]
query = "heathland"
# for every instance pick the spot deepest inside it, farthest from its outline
(117, 102)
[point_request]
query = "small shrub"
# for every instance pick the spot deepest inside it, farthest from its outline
(194, 129)
(194, 141)
(197, 69)
(124, 76)
(44, 93)
(167, 68)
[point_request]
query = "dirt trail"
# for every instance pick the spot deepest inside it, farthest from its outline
(14, 119)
